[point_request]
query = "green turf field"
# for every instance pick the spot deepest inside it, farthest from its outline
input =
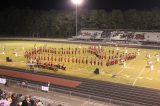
(135, 73)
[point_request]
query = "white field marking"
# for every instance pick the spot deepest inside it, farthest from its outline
(138, 76)
(123, 68)
(129, 67)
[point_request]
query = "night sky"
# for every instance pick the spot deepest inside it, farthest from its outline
(88, 4)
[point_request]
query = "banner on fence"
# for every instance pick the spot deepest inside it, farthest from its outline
(2, 81)
(45, 88)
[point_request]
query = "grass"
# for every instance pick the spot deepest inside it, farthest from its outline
(136, 73)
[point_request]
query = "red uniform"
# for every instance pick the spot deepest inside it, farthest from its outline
(86, 60)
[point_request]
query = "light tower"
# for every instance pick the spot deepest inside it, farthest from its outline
(77, 3)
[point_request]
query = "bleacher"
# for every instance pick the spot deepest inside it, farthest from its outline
(119, 35)
(89, 34)
(153, 37)
(139, 36)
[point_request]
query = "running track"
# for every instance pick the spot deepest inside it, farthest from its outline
(40, 78)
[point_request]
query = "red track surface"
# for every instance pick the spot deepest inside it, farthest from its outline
(40, 78)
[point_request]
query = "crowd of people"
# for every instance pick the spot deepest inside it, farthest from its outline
(14, 99)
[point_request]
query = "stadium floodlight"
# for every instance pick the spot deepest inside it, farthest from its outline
(77, 2)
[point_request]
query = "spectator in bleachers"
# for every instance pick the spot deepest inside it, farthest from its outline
(32, 101)
(39, 103)
(27, 101)
(4, 100)
(14, 101)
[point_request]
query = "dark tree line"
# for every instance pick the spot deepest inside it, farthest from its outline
(57, 24)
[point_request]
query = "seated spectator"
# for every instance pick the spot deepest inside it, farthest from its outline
(4, 101)
(19, 99)
(27, 101)
(14, 102)
(39, 103)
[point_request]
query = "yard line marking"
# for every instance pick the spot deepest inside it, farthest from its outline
(124, 68)
(138, 76)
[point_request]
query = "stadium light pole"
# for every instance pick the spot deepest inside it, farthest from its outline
(77, 3)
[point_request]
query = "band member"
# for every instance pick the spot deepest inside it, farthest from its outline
(52, 57)
(58, 51)
(65, 59)
(87, 60)
(124, 63)
(109, 57)
(83, 60)
(39, 58)
(44, 57)
(75, 51)
(79, 60)
(72, 51)
(151, 67)
(98, 63)
(55, 58)
(64, 52)
(91, 61)
(78, 51)
(107, 63)
(76, 60)
(67, 51)
(105, 56)
(61, 59)
(72, 59)
(48, 57)
(113, 51)
(116, 60)
(83, 51)
(95, 61)
(68, 59)
(101, 63)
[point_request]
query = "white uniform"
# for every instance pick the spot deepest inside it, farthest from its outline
(117, 48)
(157, 59)
(152, 67)
(149, 56)
(16, 54)
(3, 52)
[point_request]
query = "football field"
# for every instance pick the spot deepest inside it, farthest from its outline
(137, 71)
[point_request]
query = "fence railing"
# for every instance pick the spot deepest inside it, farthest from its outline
(70, 93)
